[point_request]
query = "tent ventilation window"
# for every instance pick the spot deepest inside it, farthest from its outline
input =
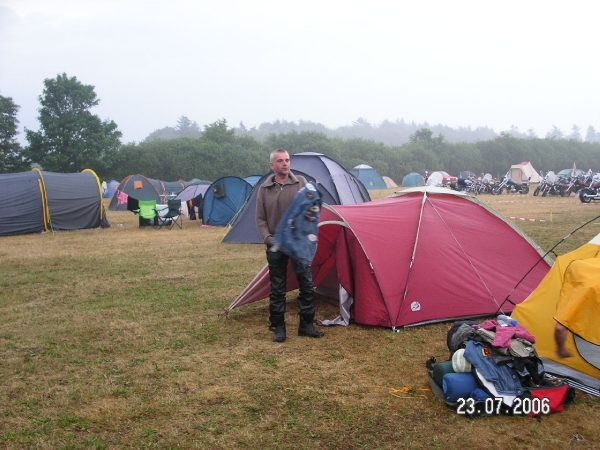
(219, 190)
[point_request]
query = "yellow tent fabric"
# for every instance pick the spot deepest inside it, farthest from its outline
(569, 294)
(578, 307)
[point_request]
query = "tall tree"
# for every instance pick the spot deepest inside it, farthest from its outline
(71, 138)
(575, 133)
(555, 133)
(10, 150)
(164, 133)
(219, 132)
(184, 128)
(531, 134)
(514, 131)
(360, 122)
(187, 128)
(426, 135)
(591, 135)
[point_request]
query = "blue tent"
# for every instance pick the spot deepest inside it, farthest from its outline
(369, 177)
(413, 179)
(223, 199)
(111, 187)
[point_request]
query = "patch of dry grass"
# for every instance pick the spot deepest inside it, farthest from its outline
(114, 339)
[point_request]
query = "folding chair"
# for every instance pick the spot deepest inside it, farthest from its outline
(147, 212)
(172, 216)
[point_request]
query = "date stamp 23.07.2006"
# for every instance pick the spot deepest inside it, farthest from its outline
(495, 406)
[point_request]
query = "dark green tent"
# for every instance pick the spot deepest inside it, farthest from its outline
(413, 179)
(369, 177)
(141, 187)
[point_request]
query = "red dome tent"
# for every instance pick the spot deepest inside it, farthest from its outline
(425, 255)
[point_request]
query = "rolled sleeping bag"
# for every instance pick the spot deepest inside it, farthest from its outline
(458, 385)
(441, 369)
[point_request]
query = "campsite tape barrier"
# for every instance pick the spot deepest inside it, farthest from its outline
(525, 219)
(534, 201)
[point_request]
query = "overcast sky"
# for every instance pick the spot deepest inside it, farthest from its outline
(531, 64)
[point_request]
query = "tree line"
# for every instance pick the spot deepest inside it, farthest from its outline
(71, 139)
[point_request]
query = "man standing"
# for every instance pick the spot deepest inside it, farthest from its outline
(275, 195)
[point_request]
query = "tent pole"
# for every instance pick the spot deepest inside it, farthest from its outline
(507, 299)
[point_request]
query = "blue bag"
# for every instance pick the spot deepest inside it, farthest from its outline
(458, 385)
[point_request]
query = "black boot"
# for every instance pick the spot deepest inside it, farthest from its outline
(278, 324)
(306, 327)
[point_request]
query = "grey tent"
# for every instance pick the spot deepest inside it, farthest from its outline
(252, 179)
(193, 191)
(193, 196)
(141, 187)
(369, 177)
(336, 184)
(172, 188)
(37, 201)
(344, 188)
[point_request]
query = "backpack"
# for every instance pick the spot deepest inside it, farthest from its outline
(460, 332)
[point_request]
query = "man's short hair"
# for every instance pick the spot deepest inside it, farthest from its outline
(279, 150)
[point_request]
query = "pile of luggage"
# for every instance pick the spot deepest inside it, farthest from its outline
(494, 369)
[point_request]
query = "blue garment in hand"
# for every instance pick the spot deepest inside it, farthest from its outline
(296, 234)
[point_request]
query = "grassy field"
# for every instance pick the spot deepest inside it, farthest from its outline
(114, 339)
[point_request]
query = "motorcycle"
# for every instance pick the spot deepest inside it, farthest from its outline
(549, 185)
(465, 185)
(592, 192)
(541, 187)
(575, 184)
(486, 184)
(511, 186)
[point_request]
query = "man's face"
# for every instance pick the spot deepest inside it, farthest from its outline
(281, 164)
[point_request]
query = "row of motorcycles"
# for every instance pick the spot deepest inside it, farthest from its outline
(585, 187)
(487, 185)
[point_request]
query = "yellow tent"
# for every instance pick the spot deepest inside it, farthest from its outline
(569, 294)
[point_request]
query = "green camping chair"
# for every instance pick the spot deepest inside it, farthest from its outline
(148, 213)
(172, 216)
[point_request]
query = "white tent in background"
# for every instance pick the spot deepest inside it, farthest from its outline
(524, 172)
